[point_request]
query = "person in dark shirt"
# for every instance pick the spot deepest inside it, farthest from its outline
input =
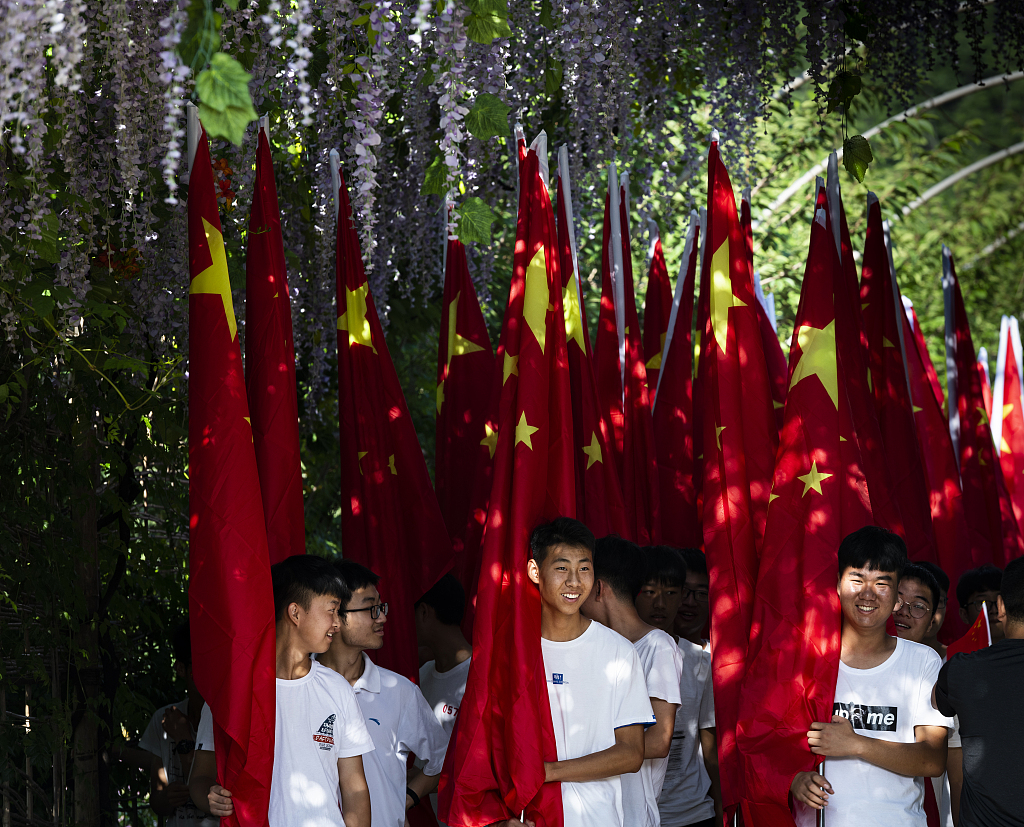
(984, 689)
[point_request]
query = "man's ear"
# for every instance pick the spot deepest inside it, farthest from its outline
(1001, 609)
(533, 571)
(295, 613)
(963, 615)
(423, 611)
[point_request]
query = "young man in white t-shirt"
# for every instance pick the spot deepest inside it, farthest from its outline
(319, 736)
(690, 796)
(439, 615)
(395, 712)
(618, 576)
(596, 687)
(885, 735)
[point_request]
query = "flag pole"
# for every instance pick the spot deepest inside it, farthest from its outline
(264, 124)
(565, 193)
(192, 129)
(540, 146)
(833, 197)
(999, 387)
(677, 298)
(886, 234)
(617, 270)
(952, 396)
(624, 188)
(336, 181)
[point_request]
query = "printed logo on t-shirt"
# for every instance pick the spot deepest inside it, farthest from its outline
(557, 679)
(862, 716)
(324, 736)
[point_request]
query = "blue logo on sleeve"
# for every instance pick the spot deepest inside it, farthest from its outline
(556, 678)
(375, 721)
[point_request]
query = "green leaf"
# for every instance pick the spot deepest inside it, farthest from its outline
(124, 363)
(844, 88)
(498, 7)
(857, 156)
(230, 123)
(488, 117)
(552, 76)
(475, 219)
(199, 38)
(485, 27)
(224, 84)
(4, 393)
(46, 246)
(435, 181)
(547, 19)
(231, 4)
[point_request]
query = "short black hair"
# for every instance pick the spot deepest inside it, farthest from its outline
(695, 561)
(918, 572)
(355, 576)
(665, 566)
(448, 600)
(985, 578)
(1012, 590)
(181, 644)
(562, 531)
(874, 548)
(621, 565)
(940, 576)
(300, 578)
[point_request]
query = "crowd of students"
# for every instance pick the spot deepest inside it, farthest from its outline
(914, 740)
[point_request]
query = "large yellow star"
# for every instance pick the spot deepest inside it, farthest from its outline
(457, 345)
(813, 479)
(509, 367)
(535, 297)
(354, 318)
(573, 316)
(593, 451)
(524, 431)
(214, 279)
(654, 363)
(818, 358)
(722, 297)
(490, 439)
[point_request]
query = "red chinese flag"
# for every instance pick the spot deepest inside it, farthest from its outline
(598, 490)
(1010, 425)
(465, 372)
(494, 767)
(952, 539)
(740, 439)
(673, 412)
(819, 495)
(270, 366)
(390, 520)
(882, 309)
(979, 636)
(657, 309)
(230, 597)
(606, 350)
(986, 501)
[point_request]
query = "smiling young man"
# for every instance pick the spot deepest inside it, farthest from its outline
(399, 719)
(692, 618)
(885, 736)
(319, 735)
(931, 637)
(619, 574)
(596, 688)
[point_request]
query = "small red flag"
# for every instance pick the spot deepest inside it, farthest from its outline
(270, 366)
(494, 767)
(390, 520)
(978, 636)
(231, 600)
(657, 310)
(1008, 430)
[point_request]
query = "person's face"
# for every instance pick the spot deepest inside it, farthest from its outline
(915, 615)
(360, 630)
(868, 597)
(970, 611)
(693, 611)
(318, 625)
(938, 618)
(658, 604)
(565, 578)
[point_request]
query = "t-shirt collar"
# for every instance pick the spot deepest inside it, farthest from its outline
(369, 681)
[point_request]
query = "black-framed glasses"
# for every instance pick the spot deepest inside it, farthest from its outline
(975, 605)
(700, 595)
(376, 610)
(917, 610)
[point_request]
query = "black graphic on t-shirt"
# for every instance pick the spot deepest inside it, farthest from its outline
(325, 735)
(862, 716)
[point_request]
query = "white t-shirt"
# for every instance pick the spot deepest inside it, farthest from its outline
(443, 692)
(595, 685)
(158, 742)
(662, 663)
(685, 797)
(399, 721)
(884, 702)
(317, 722)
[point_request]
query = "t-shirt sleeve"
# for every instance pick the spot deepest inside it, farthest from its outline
(153, 736)
(707, 699)
(926, 714)
(422, 734)
(942, 691)
(954, 741)
(204, 734)
(665, 672)
(632, 703)
(354, 737)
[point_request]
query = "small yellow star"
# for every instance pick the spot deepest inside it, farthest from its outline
(916, 409)
(391, 465)
(772, 498)
(887, 343)
(1007, 409)
(458, 345)
(490, 439)
(524, 431)
(981, 412)
(359, 460)
(593, 451)
(440, 395)
(573, 316)
(813, 479)
(718, 435)
(654, 363)
(510, 367)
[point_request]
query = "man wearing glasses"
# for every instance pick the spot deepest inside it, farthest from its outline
(399, 719)
(692, 619)
(977, 586)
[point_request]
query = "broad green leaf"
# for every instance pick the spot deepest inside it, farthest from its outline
(857, 156)
(475, 220)
(552, 76)
(435, 181)
(843, 89)
(46, 247)
(231, 4)
(498, 7)
(124, 363)
(547, 18)
(4, 393)
(230, 123)
(224, 84)
(486, 27)
(201, 35)
(488, 117)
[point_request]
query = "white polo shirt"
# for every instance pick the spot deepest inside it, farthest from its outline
(400, 722)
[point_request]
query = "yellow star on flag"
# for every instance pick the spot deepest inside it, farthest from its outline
(1004, 448)
(818, 358)
(1007, 409)
(490, 439)
(887, 343)
(654, 363)
(916, 409)
(391, 464)
(359, 460)
(718, 435)
(535, 297)
(813, 479)
(509, 368)
(772, 498)
(354, 318)
(524, 431)
(573, 316)
(214, 279)
(722, 297)
(457, 345)
(593, 451)
(440, 395)
(981, 412)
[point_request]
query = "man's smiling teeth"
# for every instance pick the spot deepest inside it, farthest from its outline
(570, 596)
(866, 608)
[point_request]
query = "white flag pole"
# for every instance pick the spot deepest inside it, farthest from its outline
(619, 292)
(886, 226)
(677, 297)
(264, 124)
(952, 397)
(192, 130)
(834, 197)
(999, 388)
(1015, 341)
(624, 185)
(540, 146)
(336, 181)
(565, 193)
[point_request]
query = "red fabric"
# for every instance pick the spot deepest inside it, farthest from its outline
(231, 601)
(740, 439)
(657, 309)
(422, 815)
(270, 367)
(606, 348)
(494, 767)
(977, 637)
(931, 806)
(986, 501)
(673, 425)
(952, 539)
(793, 653)
(986, 391)
(390, 520)
(462, 458)
(1011, 449)
(598, 490)
(881, 314)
